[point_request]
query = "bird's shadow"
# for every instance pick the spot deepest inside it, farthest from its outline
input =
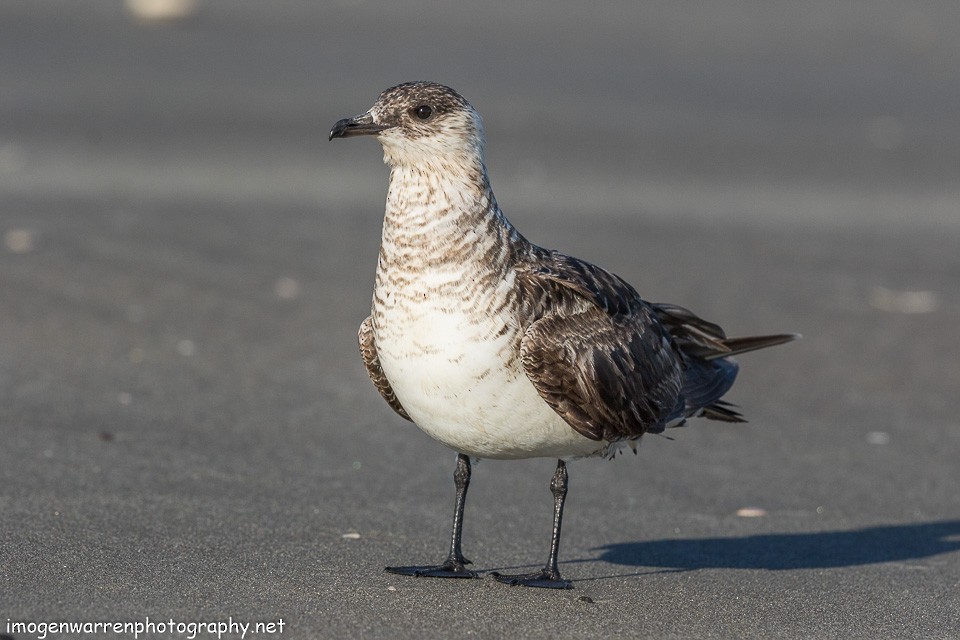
(783, 551)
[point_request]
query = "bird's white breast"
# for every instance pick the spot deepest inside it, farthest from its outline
(457, 372)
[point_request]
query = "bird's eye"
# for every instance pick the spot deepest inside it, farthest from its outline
(423, 111)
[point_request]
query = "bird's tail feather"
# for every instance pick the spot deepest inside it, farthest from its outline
(723, 411)
(751, 343)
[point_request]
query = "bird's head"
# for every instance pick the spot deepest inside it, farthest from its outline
(420, 123)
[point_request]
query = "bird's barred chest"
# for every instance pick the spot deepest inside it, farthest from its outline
(450, 351)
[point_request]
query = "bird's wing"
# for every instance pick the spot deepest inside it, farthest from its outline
(368, 351)
(602, 362)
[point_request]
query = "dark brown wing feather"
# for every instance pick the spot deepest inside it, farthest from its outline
(368, 351)
(609, 377)
(692, 334)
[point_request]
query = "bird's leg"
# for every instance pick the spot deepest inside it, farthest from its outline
(455, 564)
(549, 576)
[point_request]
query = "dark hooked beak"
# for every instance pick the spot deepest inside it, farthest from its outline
(362, 125)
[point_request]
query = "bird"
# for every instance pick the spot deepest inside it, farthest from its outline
(501, 349)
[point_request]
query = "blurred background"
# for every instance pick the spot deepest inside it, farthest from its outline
(187, 429)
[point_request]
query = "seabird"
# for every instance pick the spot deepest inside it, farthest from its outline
(498, 348)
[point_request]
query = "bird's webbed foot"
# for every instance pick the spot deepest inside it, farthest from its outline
(544, 579)
(452, 567)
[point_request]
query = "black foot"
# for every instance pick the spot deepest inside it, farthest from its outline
(449, 569)
(544, 579)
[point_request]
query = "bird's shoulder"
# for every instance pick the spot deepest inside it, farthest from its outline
(555, 277)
